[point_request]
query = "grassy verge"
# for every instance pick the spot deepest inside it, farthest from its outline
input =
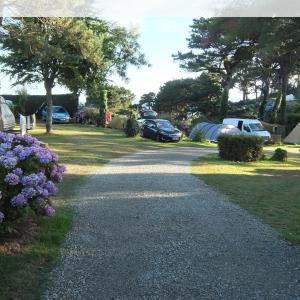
(83, 149)
(269, 190)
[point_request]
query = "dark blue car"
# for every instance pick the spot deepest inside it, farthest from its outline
(59, 114)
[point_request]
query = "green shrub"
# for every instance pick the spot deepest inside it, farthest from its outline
(132, 128)
(280, 155)
(240, 147)
(91, 115)
(199, 136)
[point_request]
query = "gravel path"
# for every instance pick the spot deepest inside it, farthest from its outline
(147, 229)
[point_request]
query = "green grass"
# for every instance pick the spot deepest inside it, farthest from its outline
(83, 149)
(267, 189)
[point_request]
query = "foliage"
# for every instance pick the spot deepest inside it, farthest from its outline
(119, 98)
(29, 172)
(280, 155)
(132, 127)
(147, 100)
(199, 136)
(291, 121)
(78, 53)
(183, 97)
(219, 46)
(240, 147)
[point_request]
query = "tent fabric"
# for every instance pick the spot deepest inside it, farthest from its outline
(118, 122)
(294, 136)
(7, 119)
(212, 130)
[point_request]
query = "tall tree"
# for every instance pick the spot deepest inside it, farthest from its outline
(219, 46)
(42, 49)
(148, 100)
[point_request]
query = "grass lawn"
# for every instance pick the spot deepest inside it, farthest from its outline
(83, 149)
(269, 190)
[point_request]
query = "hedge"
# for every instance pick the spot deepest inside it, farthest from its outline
(240, 147)
(68, 101)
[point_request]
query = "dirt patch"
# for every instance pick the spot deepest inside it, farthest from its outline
(25, 232)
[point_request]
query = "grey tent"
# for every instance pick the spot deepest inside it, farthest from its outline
(212, 130)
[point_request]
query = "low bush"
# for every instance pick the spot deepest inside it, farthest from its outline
(240, 147)
(280, 155)
(28, 173)
(132, 128)
(199, 136)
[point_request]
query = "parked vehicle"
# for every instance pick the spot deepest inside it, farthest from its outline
(147, 114)
(160, 130)
(7, 118)
(249, 127)
(59, 114)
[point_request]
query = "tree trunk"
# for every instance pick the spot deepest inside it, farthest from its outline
(224, 102)
(276, 106)
(282, 109)
(103, 108)
(264, 99)
(49, 108)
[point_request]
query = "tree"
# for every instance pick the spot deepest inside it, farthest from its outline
(43, 49)
(119, 98)
(184, 97)
(79, 53)
(148, 100)
(218, 46)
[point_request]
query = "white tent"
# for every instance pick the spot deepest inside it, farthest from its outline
(294, 136)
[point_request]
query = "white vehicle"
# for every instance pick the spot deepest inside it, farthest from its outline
(7, 119)
(249, 127)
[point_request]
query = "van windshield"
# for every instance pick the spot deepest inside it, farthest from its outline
(256, 127)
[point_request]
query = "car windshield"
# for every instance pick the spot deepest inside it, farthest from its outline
(58, 110)
(164, 124)
(149, 113)
(256, 127)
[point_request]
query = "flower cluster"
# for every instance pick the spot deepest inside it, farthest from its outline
(28, 174)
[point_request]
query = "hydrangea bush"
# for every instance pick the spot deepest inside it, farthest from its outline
(28, 176)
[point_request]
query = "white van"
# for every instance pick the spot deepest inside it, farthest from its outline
(249, 127)
(7, 119)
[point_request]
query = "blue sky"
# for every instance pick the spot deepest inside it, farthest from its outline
(160, 37)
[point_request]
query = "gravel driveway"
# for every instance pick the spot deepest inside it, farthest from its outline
(146, 229)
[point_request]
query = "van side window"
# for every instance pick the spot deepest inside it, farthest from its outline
(240, 125)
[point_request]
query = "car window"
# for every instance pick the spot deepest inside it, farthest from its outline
(164, 124)
(256, 127)
(58, 110)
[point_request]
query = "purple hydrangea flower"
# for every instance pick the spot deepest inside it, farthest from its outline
(18, 171)
(31, 180)
(50, 187)
(49, 211)
(12, 179)
(8, 162)
(28, 192)
(18, 200)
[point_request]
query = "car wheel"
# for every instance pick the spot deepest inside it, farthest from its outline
(158, 138)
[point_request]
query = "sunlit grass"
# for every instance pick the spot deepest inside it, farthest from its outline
(267, 189)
